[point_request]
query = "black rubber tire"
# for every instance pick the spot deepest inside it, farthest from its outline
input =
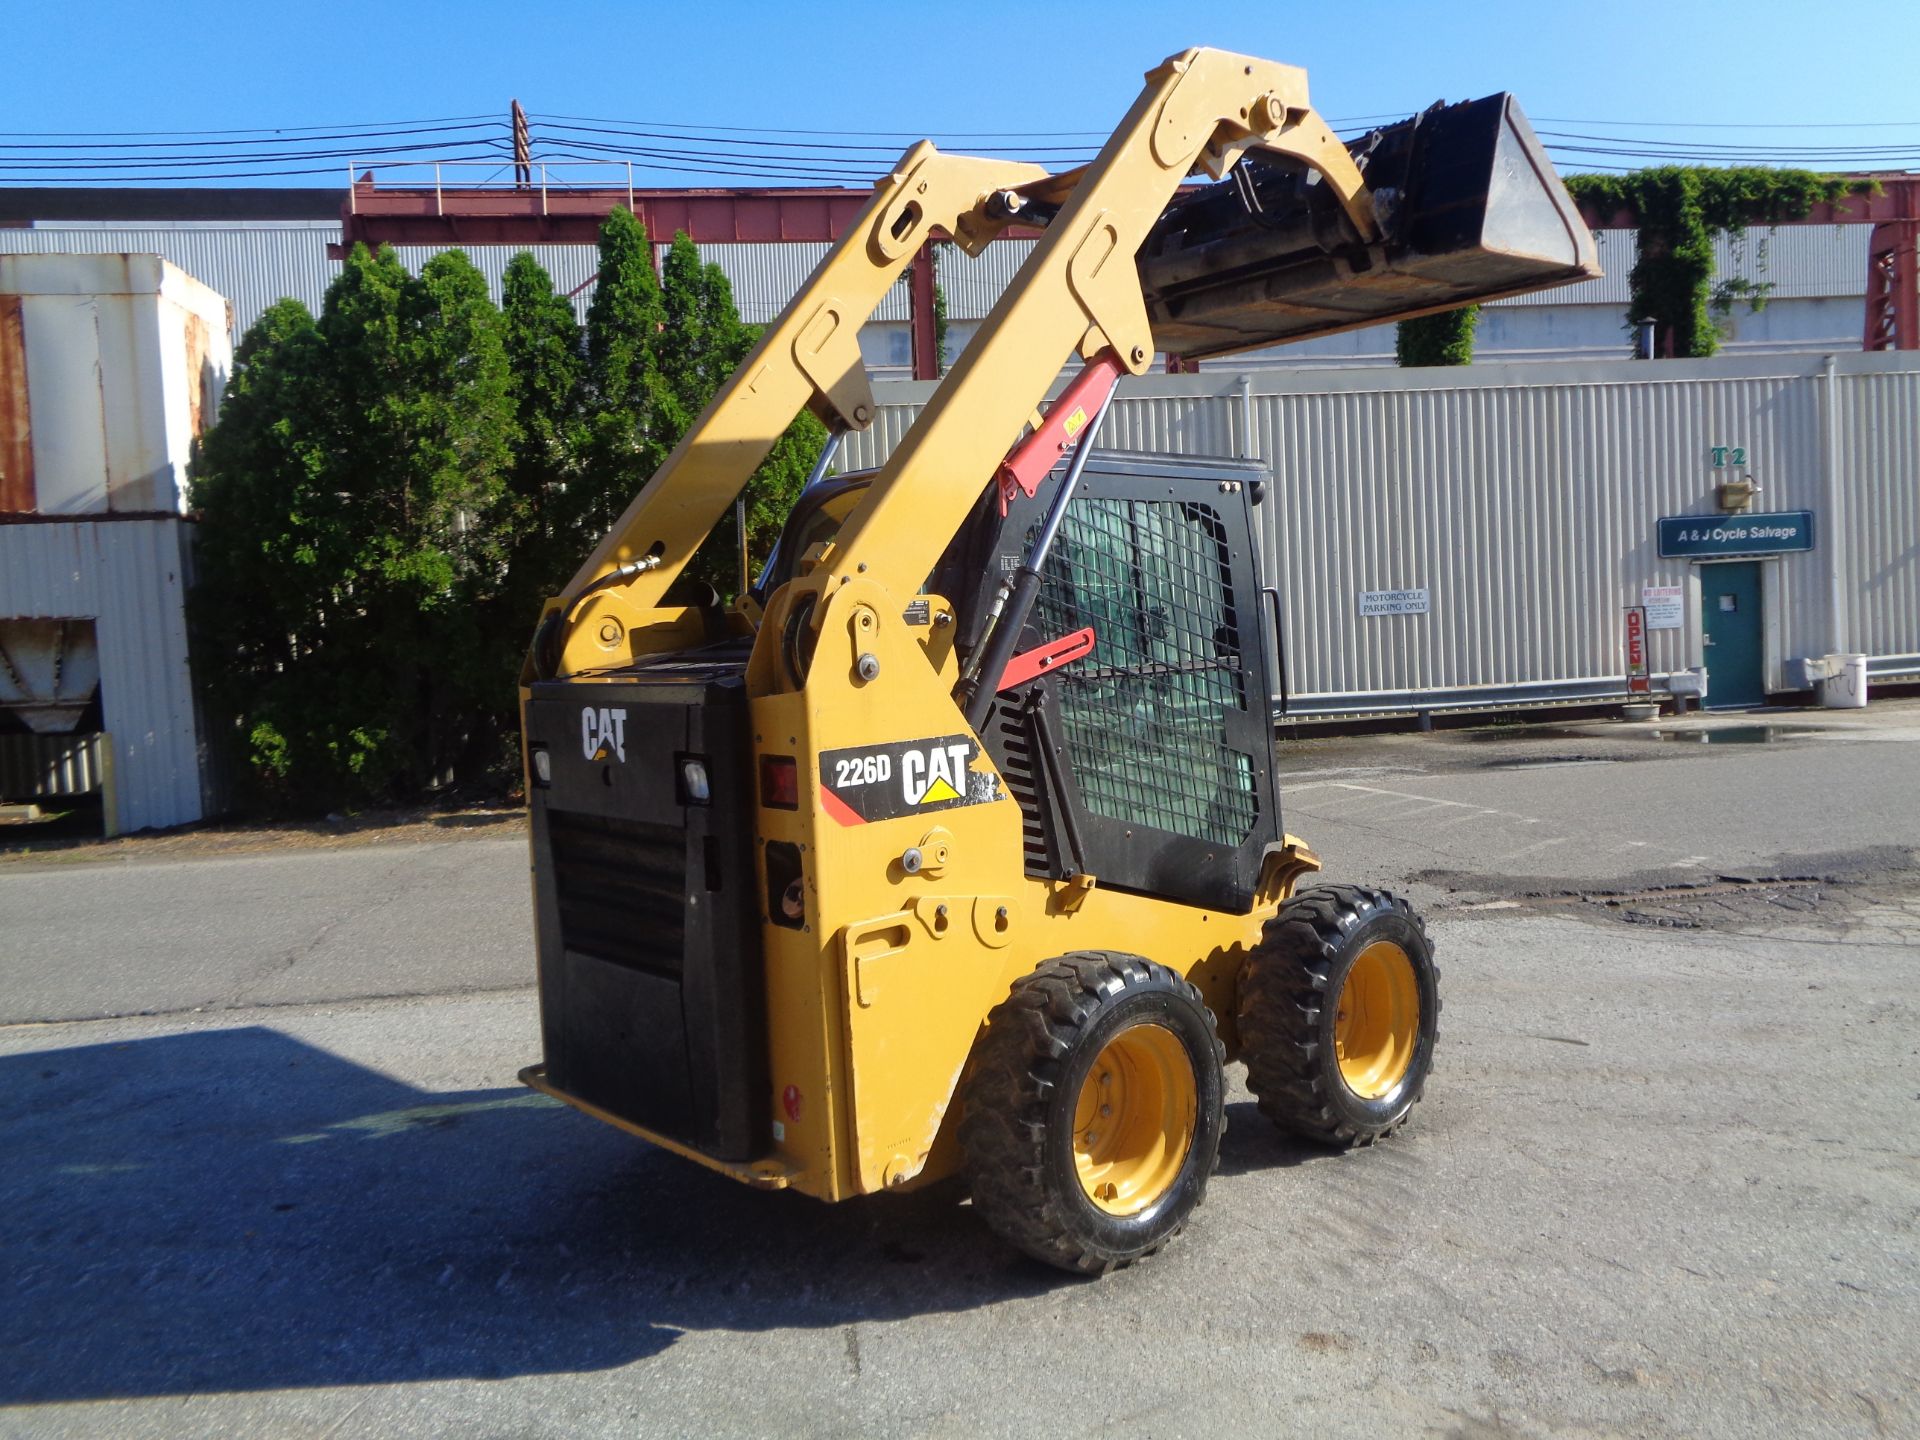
(1288, 990)
(1017, 1125)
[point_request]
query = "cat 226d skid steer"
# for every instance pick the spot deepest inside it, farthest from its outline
(955, 844)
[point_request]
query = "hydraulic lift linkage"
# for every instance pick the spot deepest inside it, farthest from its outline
(1202, 109)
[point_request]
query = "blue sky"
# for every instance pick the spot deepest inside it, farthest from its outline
(113, 66)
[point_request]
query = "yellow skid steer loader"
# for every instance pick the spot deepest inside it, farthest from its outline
(955, 845)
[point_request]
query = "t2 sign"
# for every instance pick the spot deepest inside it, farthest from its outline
(1637, 680)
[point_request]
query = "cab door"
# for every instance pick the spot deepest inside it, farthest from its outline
(1148, 762)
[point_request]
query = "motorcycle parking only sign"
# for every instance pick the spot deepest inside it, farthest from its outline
(1394, 602)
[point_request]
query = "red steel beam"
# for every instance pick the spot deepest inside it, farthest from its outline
(1892, 203)
(387, 215)
(926, 338)
(1893, 278)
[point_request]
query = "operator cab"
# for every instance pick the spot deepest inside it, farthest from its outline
(1165, 725)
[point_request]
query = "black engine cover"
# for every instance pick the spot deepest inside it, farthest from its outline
(652, 994)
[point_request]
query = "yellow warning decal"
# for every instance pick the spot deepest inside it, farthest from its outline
(1074, 421)
(938, 790)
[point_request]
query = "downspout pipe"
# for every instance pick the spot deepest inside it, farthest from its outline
(1831, 522)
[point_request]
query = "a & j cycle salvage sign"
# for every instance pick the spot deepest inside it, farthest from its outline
(1712, 535)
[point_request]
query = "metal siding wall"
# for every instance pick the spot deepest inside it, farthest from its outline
(1524, 498)
(255, 265)
(766, 277)
(1798, 261)
(1526, 511)
(252, 266)
(974, 283)
(1879, 528)
(130, 578)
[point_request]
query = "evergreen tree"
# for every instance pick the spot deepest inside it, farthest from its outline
(363, 460)
(392, 489)
(702, 340)
(631, 410)
(547, 370)
(701, 343)
(273, 546)
(1442, 339)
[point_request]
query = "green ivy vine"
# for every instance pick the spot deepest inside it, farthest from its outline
(1681, 209)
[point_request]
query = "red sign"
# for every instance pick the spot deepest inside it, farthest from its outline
(1637, 683)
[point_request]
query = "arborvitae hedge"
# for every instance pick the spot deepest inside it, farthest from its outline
(1443, 339)
(393, 489)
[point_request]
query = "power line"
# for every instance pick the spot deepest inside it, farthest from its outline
(256, 130)
(257, 144)
(1738, 124)
(791, 144)
(789, 156)
(105, 166)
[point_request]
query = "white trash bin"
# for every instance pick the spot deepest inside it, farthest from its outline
(1845, 685)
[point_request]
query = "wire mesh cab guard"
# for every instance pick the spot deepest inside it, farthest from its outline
(1149, 761)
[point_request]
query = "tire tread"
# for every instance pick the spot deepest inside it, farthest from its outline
(1017, 1068)
(1283, 988)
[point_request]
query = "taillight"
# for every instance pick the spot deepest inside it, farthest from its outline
(779, 782)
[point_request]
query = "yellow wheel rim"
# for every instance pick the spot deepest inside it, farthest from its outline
(1377, 1021)
(1133, 1123)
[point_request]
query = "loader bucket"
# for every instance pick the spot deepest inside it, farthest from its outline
(1469, 209)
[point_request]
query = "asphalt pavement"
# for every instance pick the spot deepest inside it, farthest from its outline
(264, 1168)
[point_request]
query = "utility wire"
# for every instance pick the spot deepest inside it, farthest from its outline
(265, 130)
(258, 144)
(96, 166)
(787, 156)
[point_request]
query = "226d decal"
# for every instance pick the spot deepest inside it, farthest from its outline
(910, 777)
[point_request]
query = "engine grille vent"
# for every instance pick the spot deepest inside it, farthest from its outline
(1018, 768)
(622, 888)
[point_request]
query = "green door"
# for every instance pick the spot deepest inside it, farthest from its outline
(1730, 601)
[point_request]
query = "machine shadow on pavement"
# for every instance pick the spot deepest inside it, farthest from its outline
(1253, 1142)
(237, 1210)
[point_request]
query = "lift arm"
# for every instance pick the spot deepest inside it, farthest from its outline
(1465, 207)
(1080, 288)
(809, 357)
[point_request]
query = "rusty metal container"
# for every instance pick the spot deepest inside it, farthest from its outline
(110, 366)
(1469, 209)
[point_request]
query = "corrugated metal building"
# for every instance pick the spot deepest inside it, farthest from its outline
(1815, 273)
(1523, 500)
(110, 366)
